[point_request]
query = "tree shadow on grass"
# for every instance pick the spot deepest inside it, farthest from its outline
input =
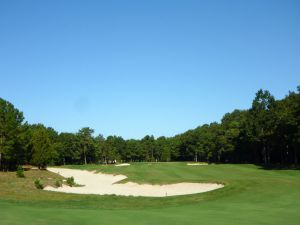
(279, 166)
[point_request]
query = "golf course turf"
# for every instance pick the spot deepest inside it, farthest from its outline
(252, 195)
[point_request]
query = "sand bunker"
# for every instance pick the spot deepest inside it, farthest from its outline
(106, 184)
(123, 164)
(197, 164)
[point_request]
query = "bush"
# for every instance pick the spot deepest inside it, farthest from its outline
(70, 181)
(58, 183)
(38, 184)
(20, 172)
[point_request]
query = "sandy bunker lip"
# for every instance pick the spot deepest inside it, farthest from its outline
(106, 184)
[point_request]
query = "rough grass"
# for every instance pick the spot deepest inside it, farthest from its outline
(252, 195)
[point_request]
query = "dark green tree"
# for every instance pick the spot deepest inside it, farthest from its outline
(10, 129)
(262, 121)
(148, 148)
(86, 143)
(69, 149)
(43, 151)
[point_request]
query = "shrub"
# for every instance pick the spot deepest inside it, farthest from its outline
(20, 172)
(38, 184)
(70, 181)
(58, 183)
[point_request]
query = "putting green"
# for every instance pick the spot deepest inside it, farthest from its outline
(251, 196)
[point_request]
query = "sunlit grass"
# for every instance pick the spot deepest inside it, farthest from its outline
(251, 195)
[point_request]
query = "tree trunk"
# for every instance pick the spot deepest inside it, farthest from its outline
(296, 156)
(1, 143)
(196, 157)
(287, 153)
(151, 154)
(264, 152)
(84, 149)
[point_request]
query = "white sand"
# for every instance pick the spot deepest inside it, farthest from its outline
(197, 164)
(105, 184)
(123, 164)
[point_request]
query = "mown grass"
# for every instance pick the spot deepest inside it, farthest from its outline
(251, 196)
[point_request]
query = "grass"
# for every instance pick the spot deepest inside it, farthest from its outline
(252, 195)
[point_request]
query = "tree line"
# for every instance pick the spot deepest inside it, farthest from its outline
(266, 133)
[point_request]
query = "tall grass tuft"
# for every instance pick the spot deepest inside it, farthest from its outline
(20, 172)
(38, 184)
(70, 181)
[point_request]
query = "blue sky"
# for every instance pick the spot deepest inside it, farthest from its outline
(133, 68)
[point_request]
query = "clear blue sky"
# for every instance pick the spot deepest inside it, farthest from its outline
(133, 68)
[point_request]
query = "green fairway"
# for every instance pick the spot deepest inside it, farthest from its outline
(251, 196)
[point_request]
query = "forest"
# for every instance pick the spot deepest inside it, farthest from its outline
(266, 133)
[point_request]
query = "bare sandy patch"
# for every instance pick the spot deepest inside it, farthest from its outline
(106, 184)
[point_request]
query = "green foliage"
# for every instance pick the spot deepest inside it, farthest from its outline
(20, 172)
(86, 143)
(58, 183)
(113, 148)
(70, 181)
(42, 148)
(268, 132)
(10, 130)
(38, 184)
(68, 148)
